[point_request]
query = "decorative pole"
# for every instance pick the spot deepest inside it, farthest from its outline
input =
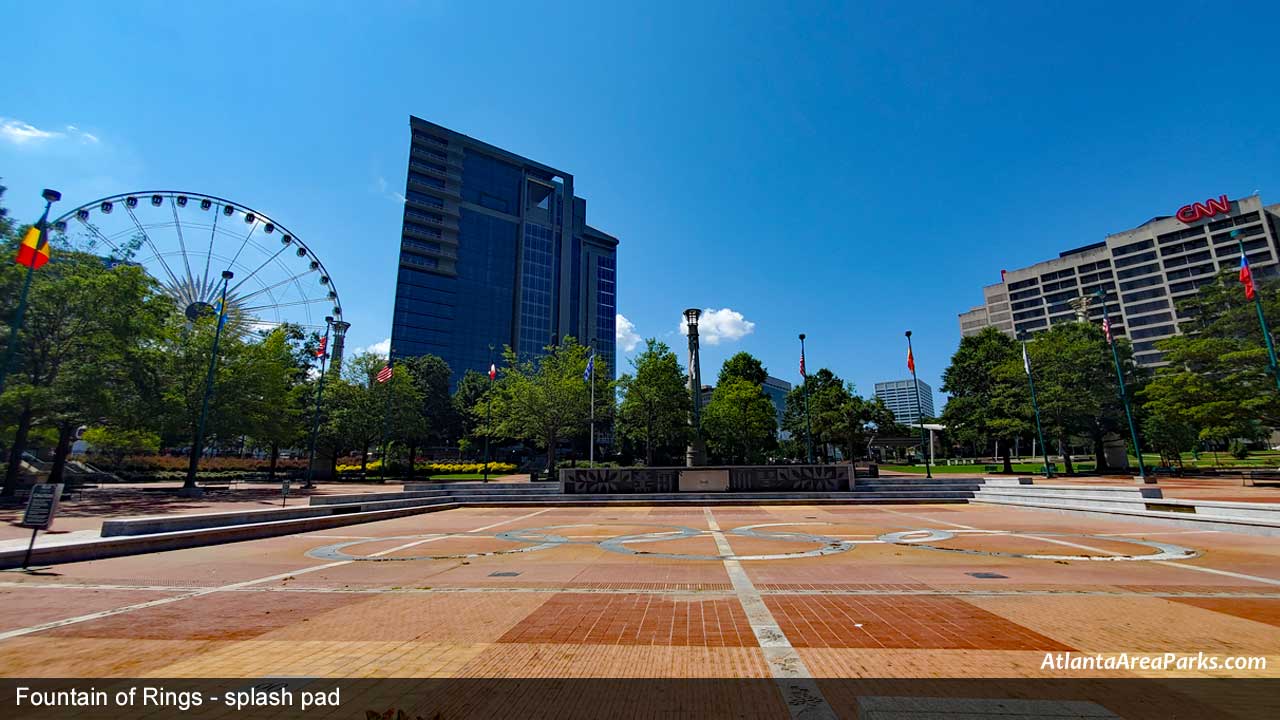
(1031, 383)
(804, 392)
(189, 488)
(911, 364)
(1246, 277)
(1124, 395)
(693, 455)
(315, 422)
(42, 239)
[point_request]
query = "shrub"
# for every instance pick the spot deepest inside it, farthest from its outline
(1239, 450)
(431, 468)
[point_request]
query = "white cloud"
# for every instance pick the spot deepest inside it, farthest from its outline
(381, 349)
(18, 132)
(383, 189)
(717, 326)
(625, 333)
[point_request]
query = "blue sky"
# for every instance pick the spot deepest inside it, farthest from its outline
(848, 171)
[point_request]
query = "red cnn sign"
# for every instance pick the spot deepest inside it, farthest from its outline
(1195, 211)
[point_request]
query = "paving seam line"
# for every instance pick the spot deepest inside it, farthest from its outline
(800, 691)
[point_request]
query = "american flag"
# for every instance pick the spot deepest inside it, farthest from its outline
(1106, 328)
(385, 373)
(324, 344)
(802, 364)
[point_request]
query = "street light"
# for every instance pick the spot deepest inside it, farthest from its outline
(315, 422)
(804, 392)
(911, 362)
(42, 227)
(1124, 395)
(189, 488)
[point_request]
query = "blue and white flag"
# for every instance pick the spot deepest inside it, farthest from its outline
(591, 367)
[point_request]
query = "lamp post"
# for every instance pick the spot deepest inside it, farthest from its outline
(1035, 408)
(189, 488)
(315, 422)
(693, 455)
(1124, 395)
(804, 392)
(919, 408)
(1262, 320)
(42, 226)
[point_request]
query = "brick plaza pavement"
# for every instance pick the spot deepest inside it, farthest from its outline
(688, 592)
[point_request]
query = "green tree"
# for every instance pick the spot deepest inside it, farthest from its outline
(1216, 381)
(655, 403)
(73, 364)
(472, 393)
(546, 399)
(437, 422)
(988, 391)
(740, 422)
(1076, 384)
(826, 393)
(744, 366)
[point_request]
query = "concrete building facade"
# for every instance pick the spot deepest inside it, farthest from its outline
(495, 250)
(1142, 272)
(900, 397)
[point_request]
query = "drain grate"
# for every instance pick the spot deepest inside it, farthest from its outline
(504, 574)
(988, 576)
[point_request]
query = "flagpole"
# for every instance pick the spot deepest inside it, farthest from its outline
(386, 427)
(1031, 382)
(315, 422)
(50, 197)
(804, 385)
(1262, 320)
(1124, 395)
(591, 367)
(919, 409)
(197, 448)
(488, 414)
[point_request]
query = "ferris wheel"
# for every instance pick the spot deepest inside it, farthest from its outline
(186, 241)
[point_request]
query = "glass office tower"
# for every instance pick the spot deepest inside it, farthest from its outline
(495, 249)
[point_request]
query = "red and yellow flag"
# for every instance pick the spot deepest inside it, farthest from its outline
(911, 361)
(34, 250)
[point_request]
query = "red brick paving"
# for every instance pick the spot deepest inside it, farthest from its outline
(899, 622)
(1264, 610)
(634, 620)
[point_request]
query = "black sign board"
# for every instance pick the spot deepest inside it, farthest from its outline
(42, 505)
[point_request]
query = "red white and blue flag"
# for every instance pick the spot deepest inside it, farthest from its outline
(324, 344)
(802, 371)
(1246, 277)
(1106, 329)
(385, 373)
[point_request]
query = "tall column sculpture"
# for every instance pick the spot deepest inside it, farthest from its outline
(695, 454)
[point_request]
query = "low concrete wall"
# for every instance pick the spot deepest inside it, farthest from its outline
(742, 478)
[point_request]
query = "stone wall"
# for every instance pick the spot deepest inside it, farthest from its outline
(767, 478)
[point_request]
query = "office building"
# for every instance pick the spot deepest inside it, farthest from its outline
(495, 250)
(1143, 272)
(900, 397)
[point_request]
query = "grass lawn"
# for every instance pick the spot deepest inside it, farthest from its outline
(1256, 459)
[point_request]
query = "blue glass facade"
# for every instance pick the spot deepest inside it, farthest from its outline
(486, 257)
